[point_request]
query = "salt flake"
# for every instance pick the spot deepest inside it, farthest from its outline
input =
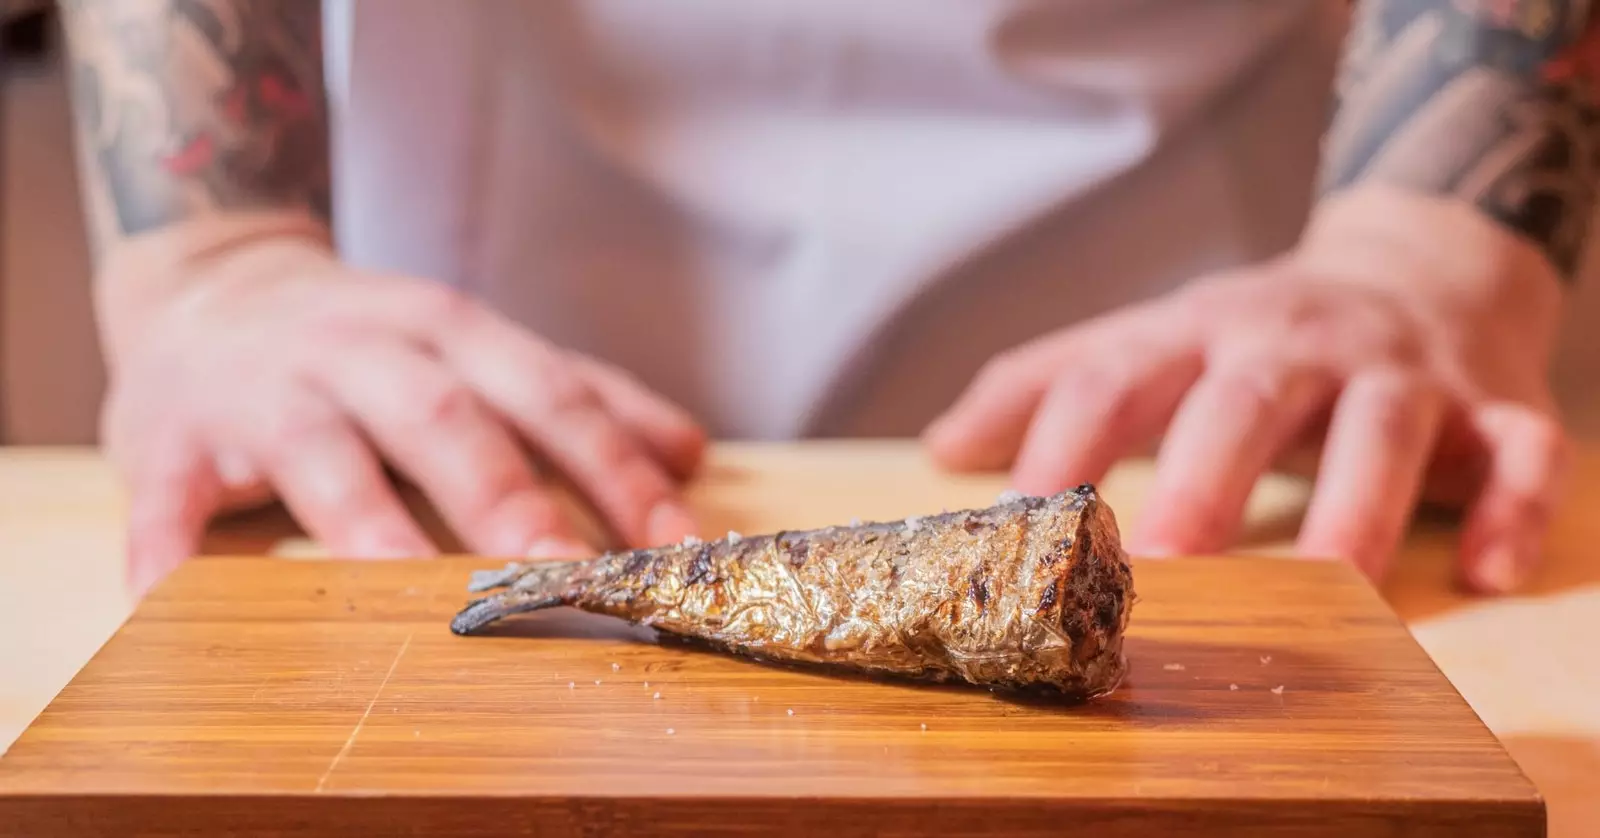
(791, 711)
(1266, 659)
(1278, 690)
(924, 726)
(1173, 667)
(734, 537)
(615, 667)
(670, 731)
(657, 695)
(691, 541)
(1009, 496)
(1233, 686)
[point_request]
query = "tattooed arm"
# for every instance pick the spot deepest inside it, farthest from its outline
(188, 109)
(247, 360)
(1491, 102)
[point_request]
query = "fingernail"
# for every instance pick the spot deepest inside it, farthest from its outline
(1153, 551)
(378, 547)
(1143, 543)
(556, 547)
(669, 522)
(1500, 570)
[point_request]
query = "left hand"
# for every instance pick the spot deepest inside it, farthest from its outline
(1409, 335)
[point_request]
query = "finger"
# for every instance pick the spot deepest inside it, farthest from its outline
(436, 430)
(1095, 414)
(985, 428)
(331, 481)
(531, 384)
(666, 429)
(173, 494)
(1226, 432)
(1377, 451)
(1507, 523)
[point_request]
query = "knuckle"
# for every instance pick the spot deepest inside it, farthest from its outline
(1094, 378)
(1399, 405)
(290, 429)
(1000, 369)
(449, 405)
(1260, 388)
(611, 450)
(564, 391)
(442, 306)
(497, 484)
(1106, 388)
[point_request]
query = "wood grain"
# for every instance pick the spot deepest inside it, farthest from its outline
(271, 697)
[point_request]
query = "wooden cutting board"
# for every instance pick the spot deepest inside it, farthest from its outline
(277, 697)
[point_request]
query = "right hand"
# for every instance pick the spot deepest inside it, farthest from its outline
(269, 366)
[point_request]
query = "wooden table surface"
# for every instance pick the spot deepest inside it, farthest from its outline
(1526, 664)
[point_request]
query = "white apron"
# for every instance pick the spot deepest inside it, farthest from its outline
(821, 217)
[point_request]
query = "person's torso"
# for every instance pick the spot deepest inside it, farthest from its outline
(821, 217)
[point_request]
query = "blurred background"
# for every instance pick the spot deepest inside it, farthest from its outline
(51, 376)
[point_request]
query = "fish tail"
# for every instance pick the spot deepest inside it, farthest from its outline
(529, 587)
(491, 609)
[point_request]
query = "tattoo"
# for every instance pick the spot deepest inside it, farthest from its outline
(1491, 101)
(187, 107)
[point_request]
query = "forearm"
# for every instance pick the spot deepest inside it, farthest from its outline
(198, 111)
(1489, 102)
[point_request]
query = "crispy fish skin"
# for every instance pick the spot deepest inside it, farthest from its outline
(1028, 594)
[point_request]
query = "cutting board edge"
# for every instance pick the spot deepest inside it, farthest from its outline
(333, 815)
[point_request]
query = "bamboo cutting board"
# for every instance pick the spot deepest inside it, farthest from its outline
(272, 697)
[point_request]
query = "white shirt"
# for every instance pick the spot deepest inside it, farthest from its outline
(821, 217)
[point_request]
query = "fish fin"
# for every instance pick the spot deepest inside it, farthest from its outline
(484, 580)
(524, 576)
(491, 609)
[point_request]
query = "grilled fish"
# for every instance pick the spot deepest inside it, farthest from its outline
(1031, 593)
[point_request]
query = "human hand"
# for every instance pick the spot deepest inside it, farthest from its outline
(1407, 334)
(270, 367)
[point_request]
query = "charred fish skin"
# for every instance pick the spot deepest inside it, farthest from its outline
(1031, 593)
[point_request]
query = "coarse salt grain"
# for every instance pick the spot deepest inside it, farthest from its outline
(734, 537)
(855, 522)
(1173, 667)
(924, 725)
(615, 667)
(913, 524)
(1009, 496)
(791, 711)
(1278, 690)
(670, 731)
(1266, 659)
(572, 685)
(657, 695)
(597, 682)
(1233, 686)
(691, 541)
